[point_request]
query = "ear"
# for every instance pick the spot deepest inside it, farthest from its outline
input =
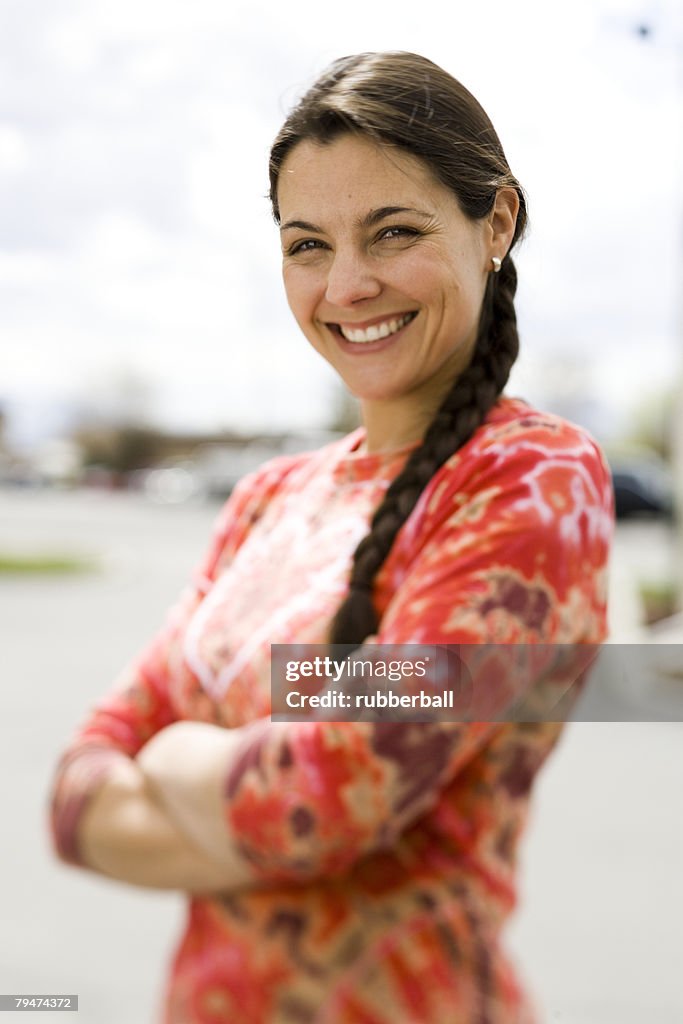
(502, 221)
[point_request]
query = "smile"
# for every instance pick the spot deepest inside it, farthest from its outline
(383, 329)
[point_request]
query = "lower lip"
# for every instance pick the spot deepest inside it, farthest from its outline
(359, 348)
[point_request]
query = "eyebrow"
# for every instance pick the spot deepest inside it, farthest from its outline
(370, 219)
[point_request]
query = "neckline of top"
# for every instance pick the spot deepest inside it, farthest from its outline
(354, 465)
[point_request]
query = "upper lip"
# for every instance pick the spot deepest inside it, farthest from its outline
(362, 325)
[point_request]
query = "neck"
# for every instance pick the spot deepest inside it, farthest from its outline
(403, 419)
(392, 425)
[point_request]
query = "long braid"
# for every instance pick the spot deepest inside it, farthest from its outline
(463, 410)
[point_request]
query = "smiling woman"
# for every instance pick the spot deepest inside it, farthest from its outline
(360, 872)
(391, 294)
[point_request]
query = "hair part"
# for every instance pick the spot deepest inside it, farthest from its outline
(403, 100)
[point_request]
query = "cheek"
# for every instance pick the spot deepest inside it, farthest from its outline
(301, 293)
(456, 288)
(428, 278)
(301, 300)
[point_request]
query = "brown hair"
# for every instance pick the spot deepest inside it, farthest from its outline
(404, 100)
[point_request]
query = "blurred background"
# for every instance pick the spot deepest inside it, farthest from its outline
(148, 359)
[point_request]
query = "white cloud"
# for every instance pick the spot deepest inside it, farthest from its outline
(14, 155)
(133, 224)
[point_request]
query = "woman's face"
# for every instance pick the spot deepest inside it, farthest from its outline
(384, 273)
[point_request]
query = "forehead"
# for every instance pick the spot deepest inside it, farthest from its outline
(353, 173)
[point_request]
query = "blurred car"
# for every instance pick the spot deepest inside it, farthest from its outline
(643, 486)
(214, 468)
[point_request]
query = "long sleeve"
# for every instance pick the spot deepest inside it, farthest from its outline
(141, 702)
(508, 547)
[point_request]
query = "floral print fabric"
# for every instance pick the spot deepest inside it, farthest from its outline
(387, 850)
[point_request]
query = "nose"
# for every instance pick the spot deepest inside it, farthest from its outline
(350, 279)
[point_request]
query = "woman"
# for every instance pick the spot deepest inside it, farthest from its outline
(361, 871)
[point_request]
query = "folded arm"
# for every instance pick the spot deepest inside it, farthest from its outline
(125, 834)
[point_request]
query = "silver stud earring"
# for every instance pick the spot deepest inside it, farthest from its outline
(496, 264)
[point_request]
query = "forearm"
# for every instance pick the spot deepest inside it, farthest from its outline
(185, 767)
(126, 835)
(285, 803)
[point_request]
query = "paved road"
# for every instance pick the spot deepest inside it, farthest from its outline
(599, 931)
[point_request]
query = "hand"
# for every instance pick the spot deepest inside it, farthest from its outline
(125, 834)
(185, 766)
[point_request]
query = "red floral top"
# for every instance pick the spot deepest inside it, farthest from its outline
(389, 848)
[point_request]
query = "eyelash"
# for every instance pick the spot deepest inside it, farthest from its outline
(315, 243)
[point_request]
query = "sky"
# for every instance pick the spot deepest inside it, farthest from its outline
(139, 263)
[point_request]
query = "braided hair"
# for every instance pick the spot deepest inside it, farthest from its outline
(404, 100)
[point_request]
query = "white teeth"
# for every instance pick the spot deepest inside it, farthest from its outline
(377, 331)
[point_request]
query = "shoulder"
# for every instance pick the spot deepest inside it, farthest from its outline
(514, 425)
(255, 491)
(292, 471)
(522, 513)
(531, 470)
(520, 446)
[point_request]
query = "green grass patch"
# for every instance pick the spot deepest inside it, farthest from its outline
(44, 564)
(659, 599)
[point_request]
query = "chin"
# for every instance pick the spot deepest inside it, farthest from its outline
(369, 394)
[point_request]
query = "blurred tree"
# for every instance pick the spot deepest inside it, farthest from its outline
(119, 394)
(652, 422)
(120, 448)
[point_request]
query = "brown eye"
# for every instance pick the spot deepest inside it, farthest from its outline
(305, 245)
(398, 232)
